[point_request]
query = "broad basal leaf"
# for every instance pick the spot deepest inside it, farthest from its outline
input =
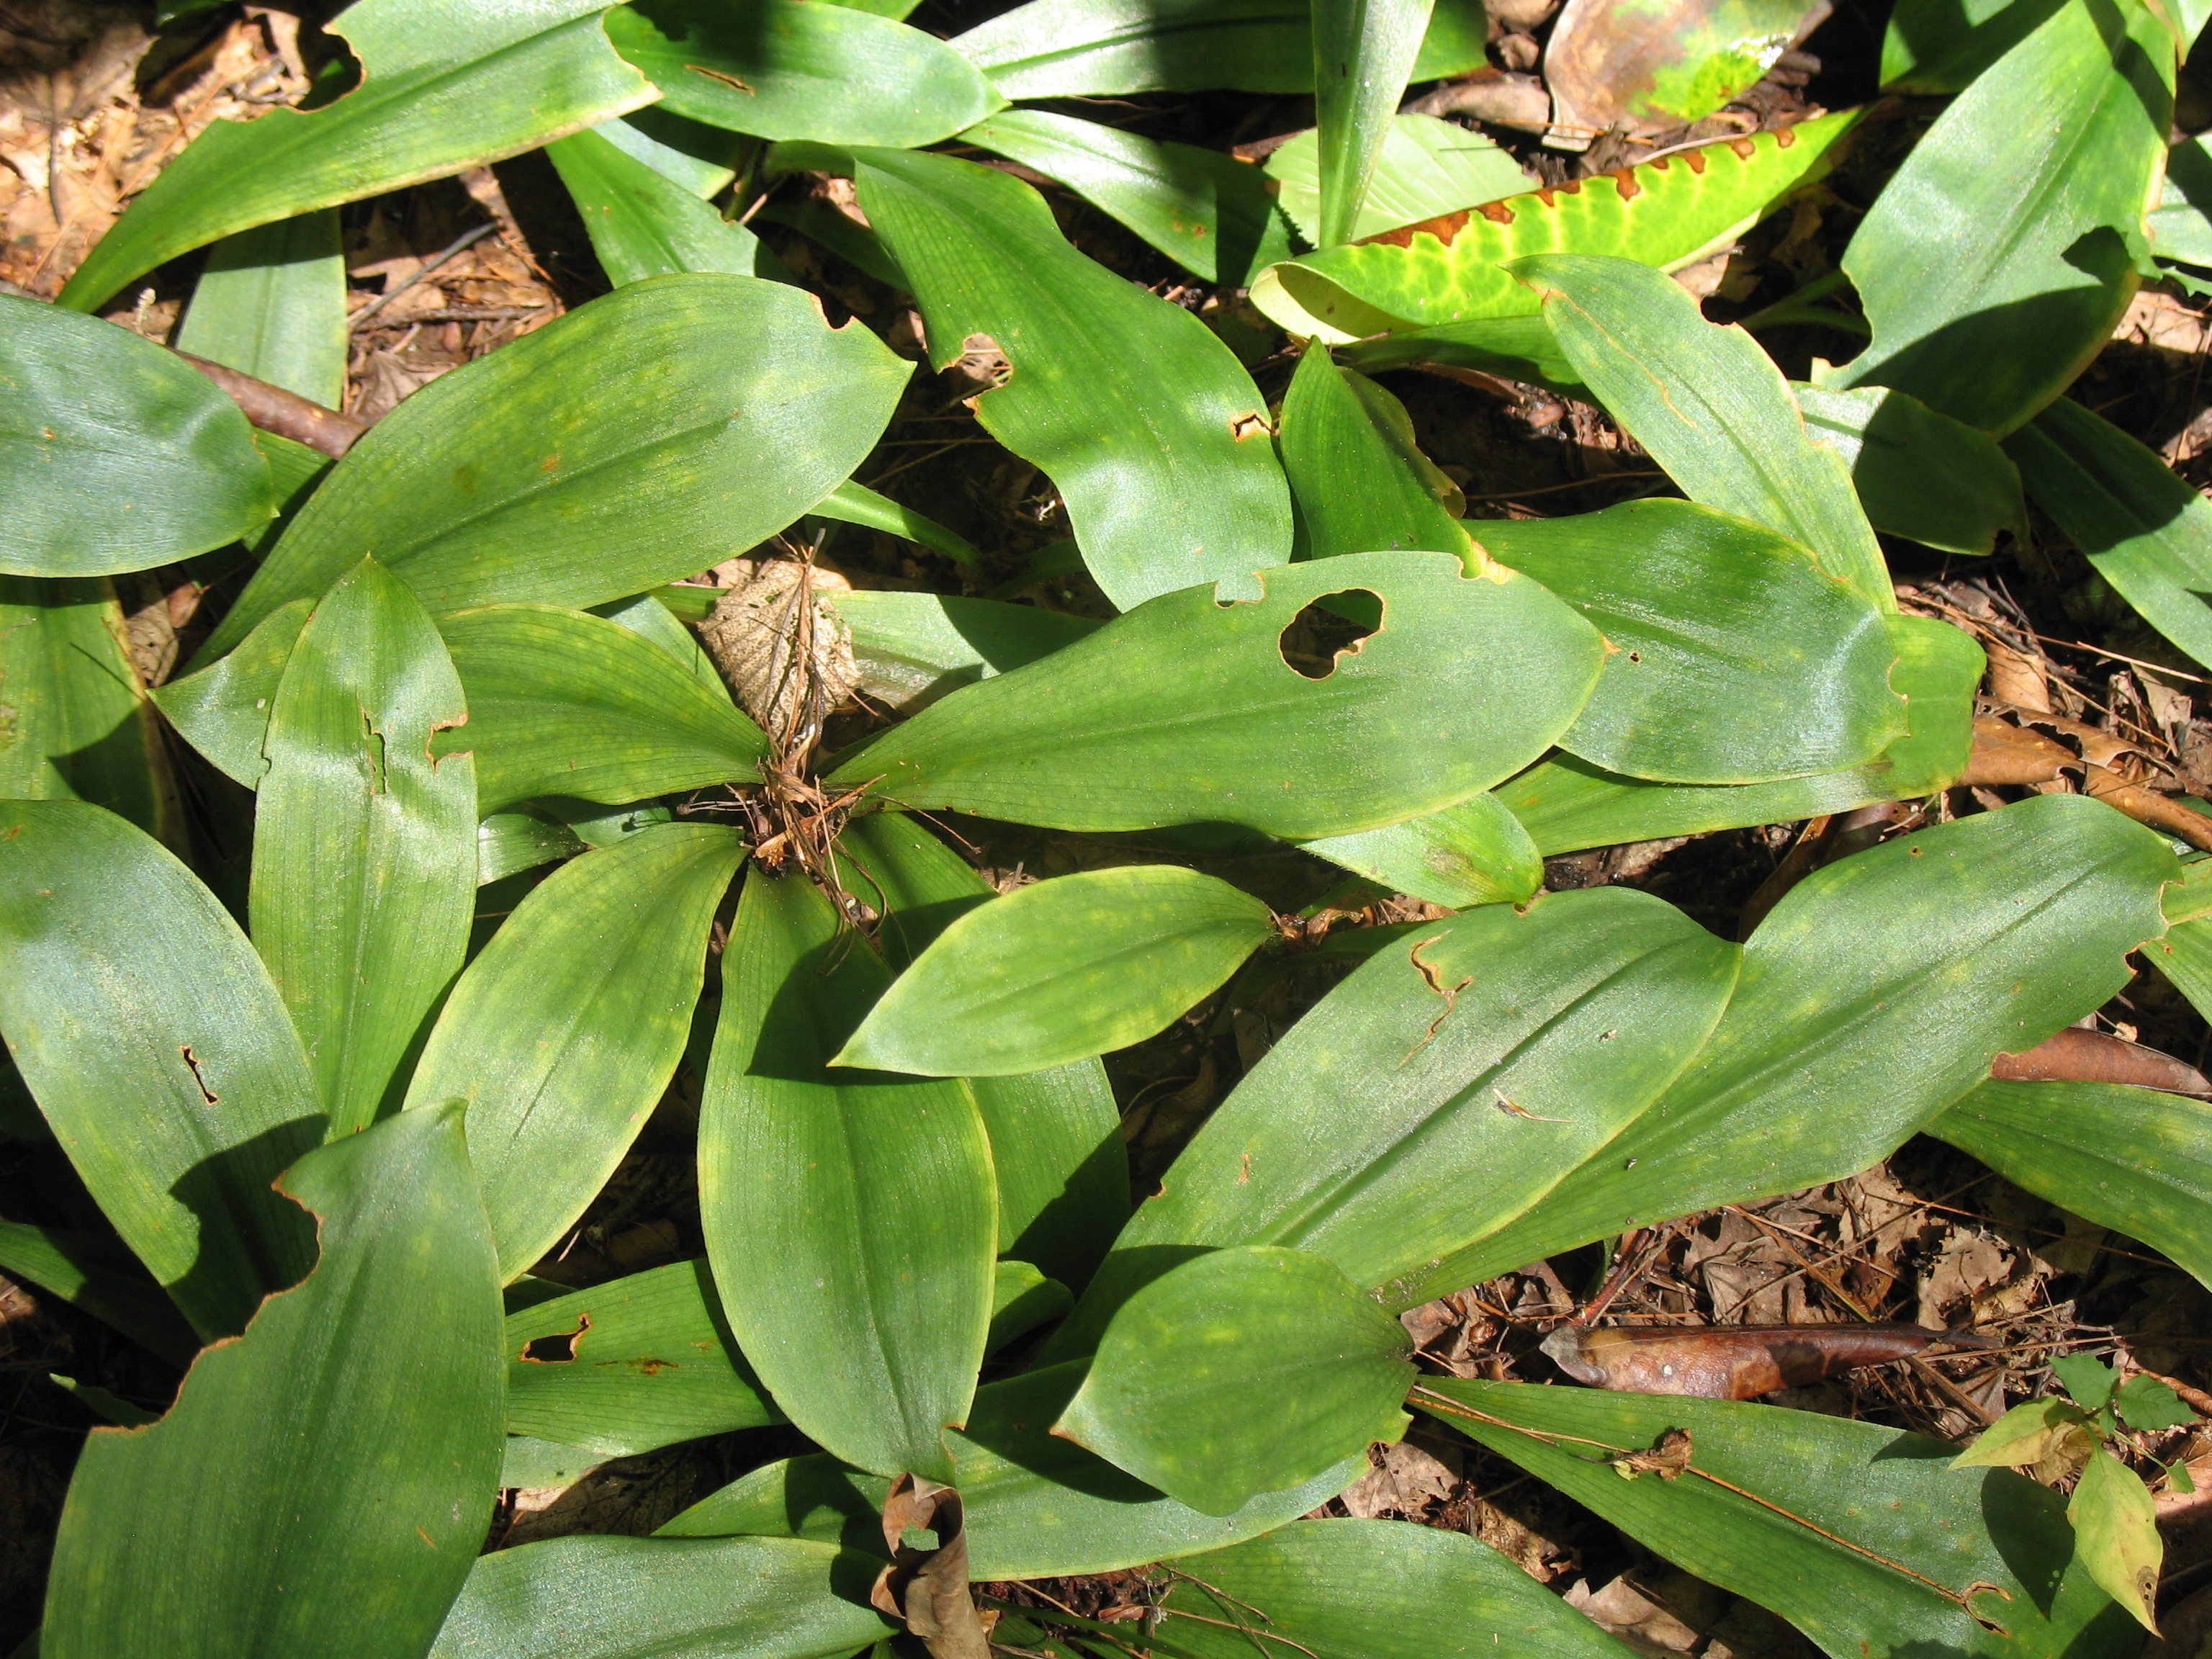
(1866, 1538)
(365, 844)
(631, 1366)
(643, 223)
(444, 84)
(114, 455)
(1148, 423)
(1371, 1589)
(1427, 167)
(1061, 970)
(850, 1216)
(803, 69)
(1358, 479)
(1707, 613)
(1170, 1395)
(94, 1272)
(2012, 924)
(2148, 532)
(271, 302)
(1519, 348)
(1186, 710)
(1037, 1505)
(912, 648)
(79, 726)
(566, 1027)
(2136, 1160)
(855, 503)
(1442, 1088)
(1076, 48)
(1568, 804)
(1475, 853)
(178, 1111)
(1209, 212)
(1939, 45)
(323, 1484)
(1919, 474)
(1364, 53)
(1055, 1136)
(1710, 407)
(563, 703)
(606, 1598)
(1667, 213)
(223, 709)
(721, 409)
(1994, 262)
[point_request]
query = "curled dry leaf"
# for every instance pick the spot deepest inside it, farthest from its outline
(1740, 1362)
(2075, 1055)
(2113, 770)
(928, 1589)
(774, 619)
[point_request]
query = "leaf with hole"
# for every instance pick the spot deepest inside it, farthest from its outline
(1050, 973)
(1186, 710)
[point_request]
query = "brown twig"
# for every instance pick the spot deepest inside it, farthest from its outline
(287, 414)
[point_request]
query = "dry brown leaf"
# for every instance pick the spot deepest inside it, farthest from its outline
(1727, 1362)
(1402, 1481)
(2075, 1055)
(752, 637)
(928, 1589)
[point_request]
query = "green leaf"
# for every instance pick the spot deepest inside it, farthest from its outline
(1063, 1179)
(1037, 1505)
(1044, 976)
(1707, 612)
(1885, 1501)
(1941, 46)
(1709, 405)
(702, 159)
(2146, 1403)
(223, 709)
(1569, 804)
(643, 223)
(609, 1598)
(1363, 52)
(563, 703)
(853, 503)
(644, 615)
(1079, 48)
(722, 408)
(851, 1216)
(444, 85)
(374, 1387)
(2088, 1380)
(567, 1027)
(271, 302)
(2178, 227)
(2116, 1536)
(631, 1366)
(1446, 1086)
(803, 69)
(1211, 213)
(1887, 980)
(1358, 476)
(2139, 1160)
(178, 1112)
(1371, 1589)
(2146, 530)
(295, 473)
(364, 845)
(117, 455)
(1157, 717)
(1184, 1362)
(77, 725)
(2022, 1437)
(94, 1272)
(912, 648)
(1521, 347)
(1667, 213)
(1994, 262)
(1475, 853)
(1022, 1298)
(1148, 423)
(1919, 474)
(508, 843)
(1644, 69)
(1427, 167)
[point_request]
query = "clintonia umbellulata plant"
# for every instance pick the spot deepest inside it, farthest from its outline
(457, 657)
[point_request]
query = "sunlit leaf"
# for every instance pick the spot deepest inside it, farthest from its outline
(177, 1111)
(1941, 46)
(1919, 474)
(643, 223)
(271, 302)
(1360, 482)
(1428, 167)
(1157, 717)
(2116, 1536)
(1043, 976)
(444, 85)
(566, 1027)
(322, 1483)
(912, 648)
(2022, 1437)
(1475, 853)
(114, 454)
(1364, 53)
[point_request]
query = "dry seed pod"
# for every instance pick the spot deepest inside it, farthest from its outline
(1730, 1362)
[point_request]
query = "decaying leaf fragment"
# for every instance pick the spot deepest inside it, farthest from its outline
(1736, 1362)
(772, 620)
(928, 1589)
(1669, 1456)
